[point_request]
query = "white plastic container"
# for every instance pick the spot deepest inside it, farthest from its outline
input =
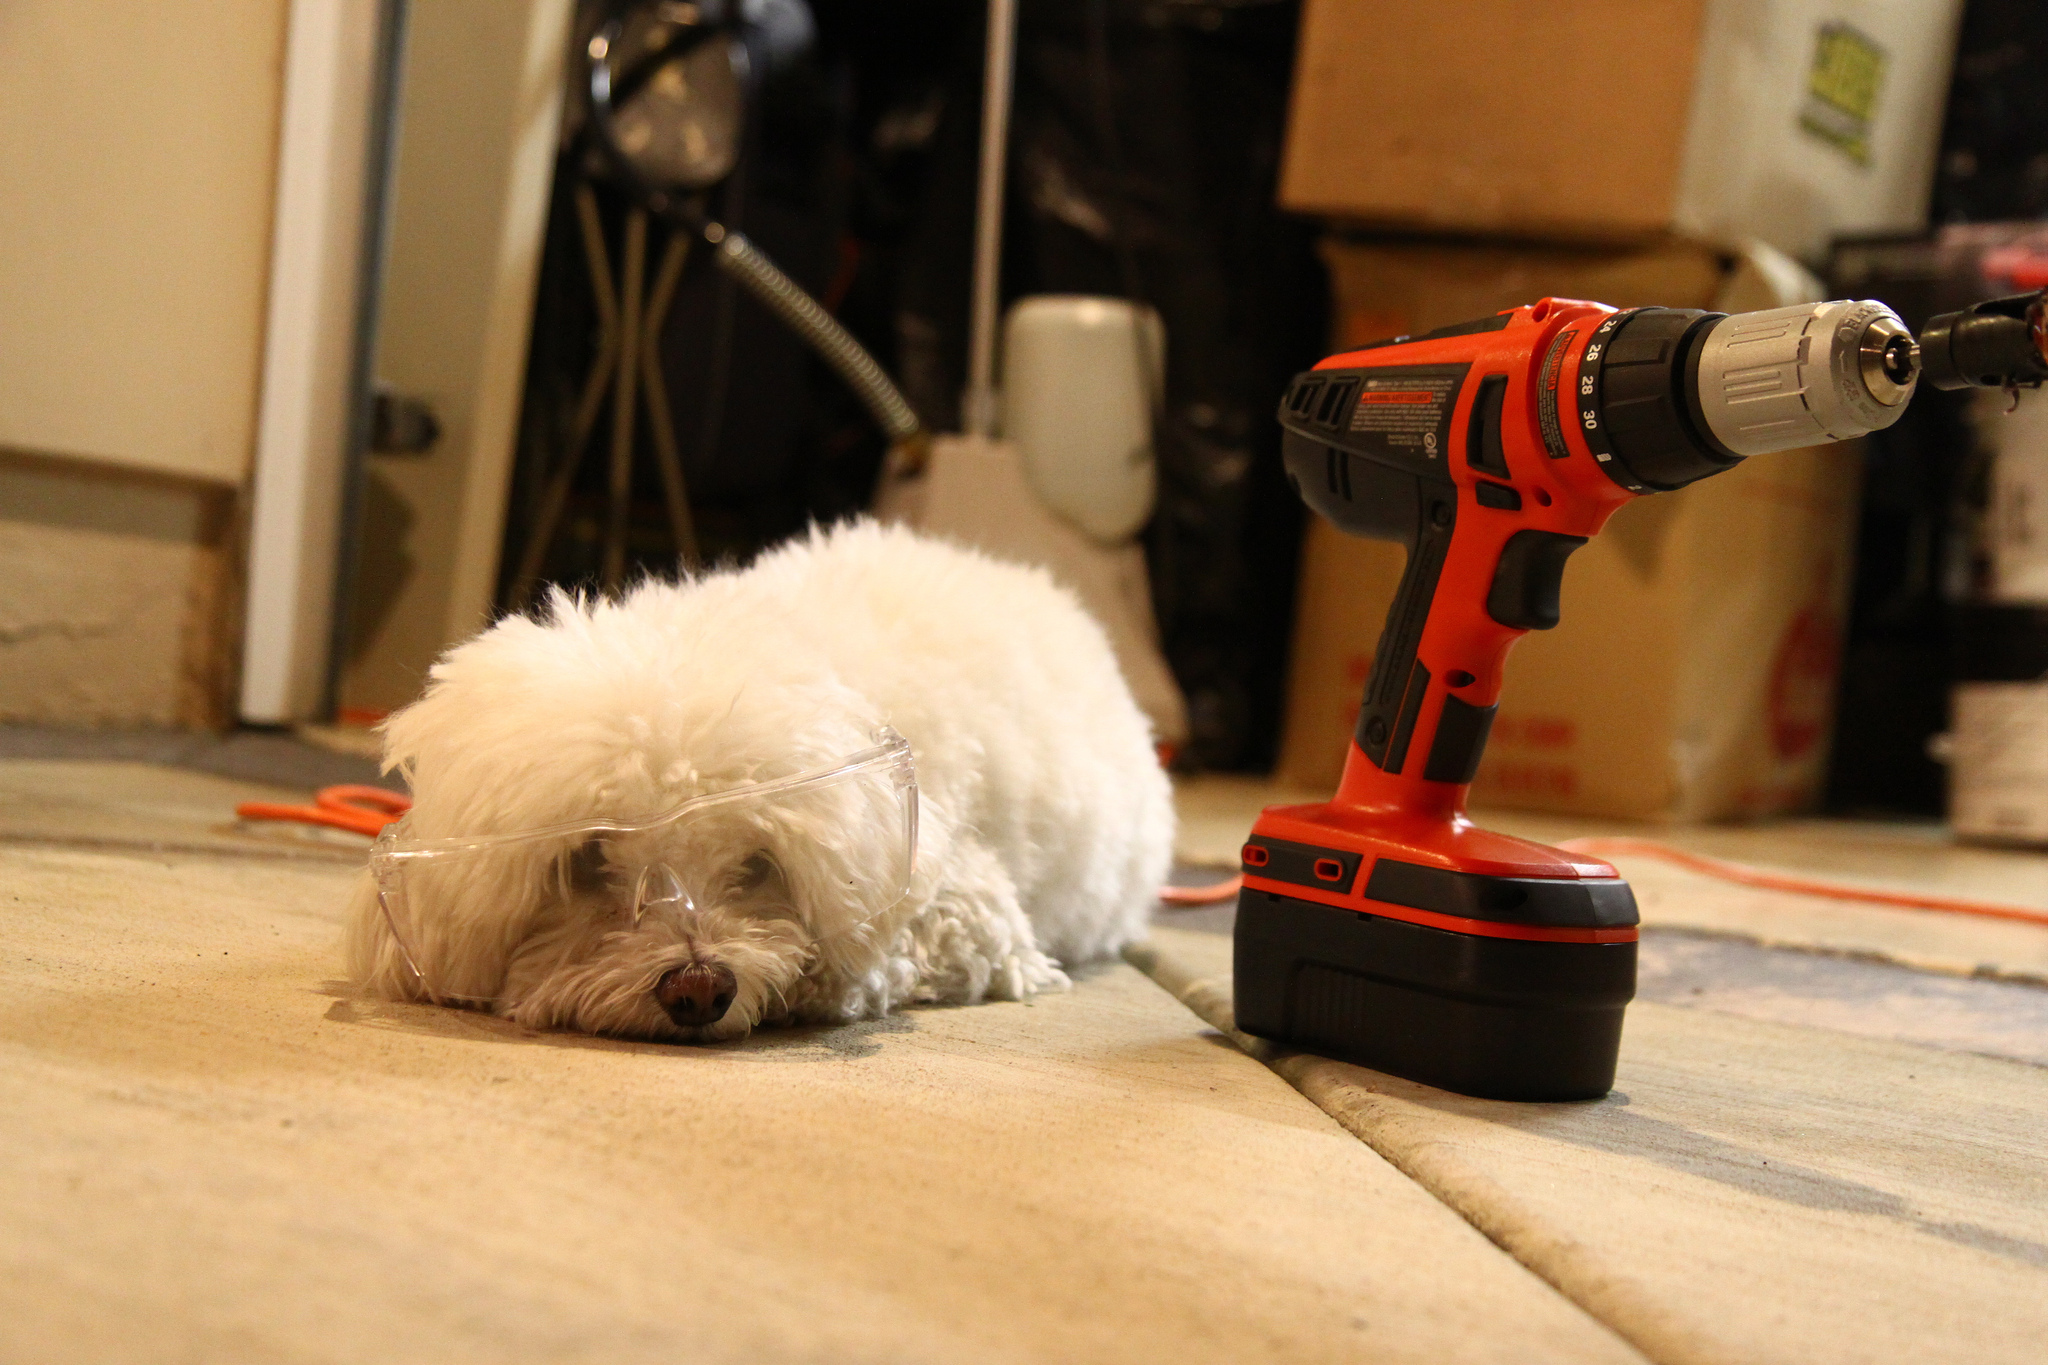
(2016, 527)
(1081, 383)
(1997, 744)
(1815, 118)
(1998, 762)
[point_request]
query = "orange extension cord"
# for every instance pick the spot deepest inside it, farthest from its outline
(1804, 886)
(368, 809)
(1202, 895)
(1710, 867)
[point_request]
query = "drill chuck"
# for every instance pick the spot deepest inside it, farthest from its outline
(1805, 375)
(1671, 395)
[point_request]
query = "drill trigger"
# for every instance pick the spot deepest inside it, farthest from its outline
(1528, 579)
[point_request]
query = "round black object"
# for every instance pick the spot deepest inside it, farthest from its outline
(1996, 642)
(2003, 341)
(1649, 404)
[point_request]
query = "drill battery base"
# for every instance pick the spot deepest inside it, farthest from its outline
(1502, 987)
(1496, 1018)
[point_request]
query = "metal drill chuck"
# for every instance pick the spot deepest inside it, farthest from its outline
(1675, 394)
(1805, 375)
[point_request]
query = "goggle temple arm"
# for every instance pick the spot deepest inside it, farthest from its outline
(391, 923)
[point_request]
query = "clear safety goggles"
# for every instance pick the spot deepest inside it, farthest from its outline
(835, 845)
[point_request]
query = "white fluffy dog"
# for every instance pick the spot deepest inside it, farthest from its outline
(1045, 823)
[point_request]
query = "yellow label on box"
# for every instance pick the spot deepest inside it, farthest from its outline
(1842, 89)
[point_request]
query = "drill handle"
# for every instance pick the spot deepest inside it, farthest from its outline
(1424, 513)
(1418, 512)
(1363, 497)
(1411, 724)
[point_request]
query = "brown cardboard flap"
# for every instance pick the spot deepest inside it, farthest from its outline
(1387, 290)
(1491, 115)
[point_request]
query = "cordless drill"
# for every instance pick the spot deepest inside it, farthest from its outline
(1382, 925)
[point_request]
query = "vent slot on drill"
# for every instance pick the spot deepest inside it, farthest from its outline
(1337, 471)
(1303, 400)
(1336, 404)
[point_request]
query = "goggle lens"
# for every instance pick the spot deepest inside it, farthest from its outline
(846, 834)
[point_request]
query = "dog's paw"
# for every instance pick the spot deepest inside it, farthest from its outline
(1023, 975)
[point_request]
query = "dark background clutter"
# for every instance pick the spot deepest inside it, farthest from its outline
(1924, 480)
(1146, 143)
(1145, 153)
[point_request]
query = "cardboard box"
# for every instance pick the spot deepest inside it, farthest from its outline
(1383, 290)
(1693, 676)
(1614, 119)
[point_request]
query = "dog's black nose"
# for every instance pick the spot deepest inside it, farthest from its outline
(699, 993)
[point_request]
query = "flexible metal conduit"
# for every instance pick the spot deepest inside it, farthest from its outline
(739, 258)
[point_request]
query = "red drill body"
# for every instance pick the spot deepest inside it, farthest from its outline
(1382, 924)
(1461, 649)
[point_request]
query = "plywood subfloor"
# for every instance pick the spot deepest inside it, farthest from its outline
(217, 1151)
(1751, 1192)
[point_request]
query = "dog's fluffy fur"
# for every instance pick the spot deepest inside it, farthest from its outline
(1046, 824)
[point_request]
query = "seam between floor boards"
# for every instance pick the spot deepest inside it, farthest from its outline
(1210, 1001)
(157, 848)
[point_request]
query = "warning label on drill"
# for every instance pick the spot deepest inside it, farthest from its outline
(1405, 410)
(1546, 395)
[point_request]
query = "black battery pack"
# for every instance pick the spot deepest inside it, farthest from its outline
(1496, 1018)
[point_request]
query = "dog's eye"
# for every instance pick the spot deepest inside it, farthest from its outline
(587, 869)
(757, 871)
